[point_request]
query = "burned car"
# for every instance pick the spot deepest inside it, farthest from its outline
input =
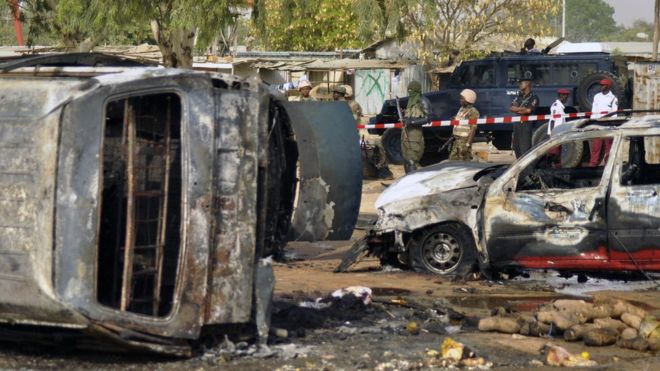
(535, 213)
(137, 203)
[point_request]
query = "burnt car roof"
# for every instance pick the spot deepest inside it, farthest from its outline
(69, 60)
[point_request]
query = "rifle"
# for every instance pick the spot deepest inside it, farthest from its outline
(446, 144)
(403, 123)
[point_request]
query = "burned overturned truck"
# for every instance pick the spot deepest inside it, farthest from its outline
(136, 203)
(535, 213)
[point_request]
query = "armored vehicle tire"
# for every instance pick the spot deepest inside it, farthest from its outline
(391, 140)
(590, 86)
(445, 249)
(540, 134)
(571, 153)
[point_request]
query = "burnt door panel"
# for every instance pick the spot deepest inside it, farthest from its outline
(330, 171)
(547, 229)
(137, 270)
(634, 205)
(540, 216)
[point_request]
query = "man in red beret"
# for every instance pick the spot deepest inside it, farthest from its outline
(605, 101)
(557, 108)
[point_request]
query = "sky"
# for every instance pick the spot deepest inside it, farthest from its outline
(627, 11)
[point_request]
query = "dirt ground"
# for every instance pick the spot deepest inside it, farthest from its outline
(380, 335)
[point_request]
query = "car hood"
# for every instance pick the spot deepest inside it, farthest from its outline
(443, 177)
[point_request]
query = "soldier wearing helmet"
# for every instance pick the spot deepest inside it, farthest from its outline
(355, 106)
(305, 87)
(339, 93)
(464, 132)
(412, 137)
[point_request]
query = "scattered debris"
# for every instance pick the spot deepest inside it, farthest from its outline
(455, 354)
(364, 293)
(558, 356)
(412, 328)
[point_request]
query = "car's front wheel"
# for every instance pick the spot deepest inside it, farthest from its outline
(445, 249)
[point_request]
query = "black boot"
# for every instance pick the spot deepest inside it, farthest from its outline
(409, 166)
(385, 173)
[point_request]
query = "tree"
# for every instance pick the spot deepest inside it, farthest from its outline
(448, 30)
(305, 24)
(639, 31)
(175, 24)
(589, 20)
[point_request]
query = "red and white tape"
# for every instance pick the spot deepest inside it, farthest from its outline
(493, 120)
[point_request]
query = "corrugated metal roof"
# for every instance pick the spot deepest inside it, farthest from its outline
(323, 65)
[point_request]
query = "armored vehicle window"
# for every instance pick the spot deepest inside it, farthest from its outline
(571, 73)
(475, 75)
(641, 160)
(550, 172)
(539, 73)
(141, 204)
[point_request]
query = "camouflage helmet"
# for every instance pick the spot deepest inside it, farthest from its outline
(339, 89)
(415, 86)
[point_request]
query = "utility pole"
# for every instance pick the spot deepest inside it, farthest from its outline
(563, 17)
(656, 30)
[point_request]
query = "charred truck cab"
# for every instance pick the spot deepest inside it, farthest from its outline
(535, 213)
(137, 203)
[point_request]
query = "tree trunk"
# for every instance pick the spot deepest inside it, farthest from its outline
(176, 45)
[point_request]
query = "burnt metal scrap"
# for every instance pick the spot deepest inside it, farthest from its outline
(536, 213)
(137, 203)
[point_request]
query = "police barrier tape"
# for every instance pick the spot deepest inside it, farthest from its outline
(493, 120)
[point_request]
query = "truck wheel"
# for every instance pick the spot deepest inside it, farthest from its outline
(445, 249)
(391, 140)
(540, 135)
(590, 86)
(571, 154)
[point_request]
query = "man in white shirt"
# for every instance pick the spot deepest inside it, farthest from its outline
(557, 108)
(605, 101)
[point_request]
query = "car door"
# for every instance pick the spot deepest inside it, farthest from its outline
(539, 215)
(634, 205)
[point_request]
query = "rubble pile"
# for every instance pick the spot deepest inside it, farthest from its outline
(604, 322)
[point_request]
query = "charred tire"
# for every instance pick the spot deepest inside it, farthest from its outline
(391, 141)
(445, 249)
(590, 86)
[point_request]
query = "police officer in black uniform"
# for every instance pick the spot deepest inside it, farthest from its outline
(524, 104)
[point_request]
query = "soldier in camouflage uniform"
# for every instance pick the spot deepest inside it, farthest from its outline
(355, 106)
(339, 94)
(412, 138)
(463, 133)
